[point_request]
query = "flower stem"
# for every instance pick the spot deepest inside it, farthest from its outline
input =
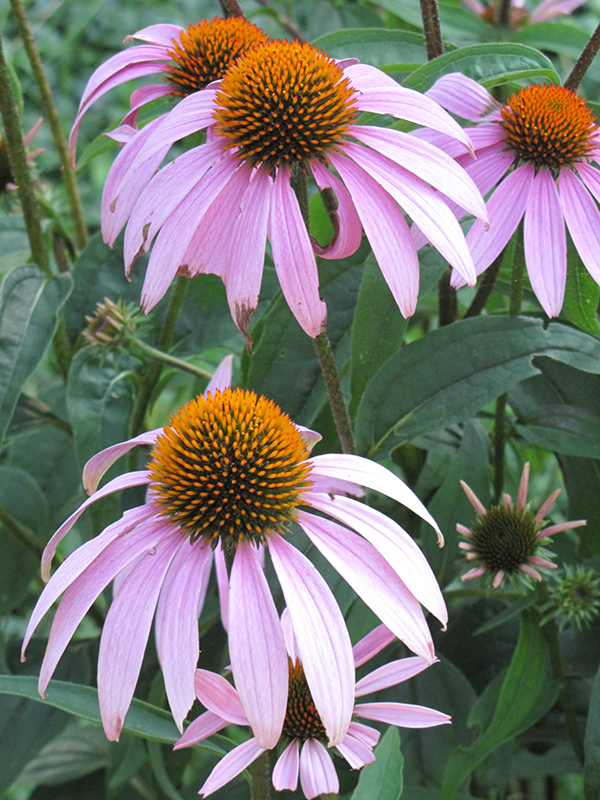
(18, 164)
(488, 280)
(231, 8)
(260, 771)
(167, 358)
(431, 29)
(504, 13)
(51, 114)
(447, 301)
(333, 386)
(584, 61)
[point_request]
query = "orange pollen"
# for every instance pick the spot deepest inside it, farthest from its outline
(549, 125)
(302, 720)
(205, 52)
(231, 466)
(284, 102)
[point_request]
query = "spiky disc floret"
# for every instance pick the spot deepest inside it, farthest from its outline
(230, 466)
(504, 538)
(302, 720)
(205, 51)
(284, 102)
(549, 125)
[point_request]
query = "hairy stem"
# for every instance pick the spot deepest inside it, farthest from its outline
(231, 8)
(51, 115)
(504, 13)
(333, 386)
(431, 29)
(584, 61)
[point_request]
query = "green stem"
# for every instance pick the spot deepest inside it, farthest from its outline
(167, 358)
(431, 29)
(564, 697)
(504, 13)
(333, 386)
(447, 301)
(260, 771)
(18, 164)
(584, 61)
(51, 114)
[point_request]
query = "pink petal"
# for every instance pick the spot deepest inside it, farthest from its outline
(583, 220)
(398, 548)
(126, 632)
(462, 96)
(404, 715)
(317, 773)
(371, 644)
(533, 573)
(364, 472)
(546, 243)
(372, 579)
(285, 772)
(364, 733)
(323, 640)
(356, 753)
(386, 230)
(219, 696)
(293, 257)
(259, 659)
(522, 493)
(288, 634)
(223, 584)
(349, 233)
(141, 97)
(231, 765)
(549, 9)
(473, 573)
(96, 467)
(390, 675)
(120, 482)
(221, 378)
(176, 625)
(201, 728)
(480, 509)
(164, 33)
(563, 526)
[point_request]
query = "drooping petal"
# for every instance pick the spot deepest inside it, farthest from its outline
(231, 765)
(201, 728)
(219, 696)
(164, 33)
(387, 232)
(259, 660)
(398, 548)
(545, 243)
(317, 773)
(125, 634)
(356, 753)
(348, 236)
(371, 644)
(372, 579)
(97, 466)
(125, 481)
(285, 772)
(583, 220)
(389, 675)
(323, 641)
(462, 96)
(294, 258)
(405, 715)
(362, 471)
(176, 625)
(141, 97)
(365, 733)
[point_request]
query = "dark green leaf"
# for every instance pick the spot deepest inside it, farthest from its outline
(555, 36)
(28, 306)
(582, 293)
(400, 50)
(382, 779)
(591, 768)
(564, 429)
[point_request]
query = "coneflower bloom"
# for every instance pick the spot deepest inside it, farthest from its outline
(232, 471)
(188, 59)
(282, 111)
(507, 540)
(303, 731)
(542, 12)
(536, 153)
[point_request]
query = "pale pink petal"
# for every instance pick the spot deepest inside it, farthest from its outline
(372, 579)
(405, 715)
(364, 733)
(221, 378)
(201, 728)
(219, 696)
(381, 94)
(541, 562)
(364, 472)
(125, 481)
(348, 236)
(506, 502)
(546, 243)
(591, 177)
(223, 584)
(310, 438)
(164, 33)
(288, 634)
(473, 573)
(533, 573)
(356, 753)
(294, 258)
(523, 484)
(125, 634)
(389, 675)
(141, 97)
(498, 578)
(549, 9)
(285, 772)
(371, 644)
(473, 499)
(463, 529)
(259, 660)
(317, 773)
(546, 506)
(231, 765)
(395, 545)
(583, 220)
(323, 641)
(563, 526)
(387, 232)
(176, 624)
(97, 466)
(462, 96)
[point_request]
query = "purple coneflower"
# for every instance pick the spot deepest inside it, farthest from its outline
(542, 12)
(536, 153)
(285, 111)
(507, 540)
(231, 471)
(304, 734)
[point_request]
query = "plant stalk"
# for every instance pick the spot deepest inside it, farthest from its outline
(431, 29)
(584, 61)
(333, 386)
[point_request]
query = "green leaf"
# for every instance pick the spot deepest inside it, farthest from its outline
(394, 49)
(100, 399)
(555, 36)
(591, 767)
(528, 692)
(582, 293)
(29, 303)
(382, 779)
(489, 64)
(377, 330)
(565, 429)
(512, 611)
